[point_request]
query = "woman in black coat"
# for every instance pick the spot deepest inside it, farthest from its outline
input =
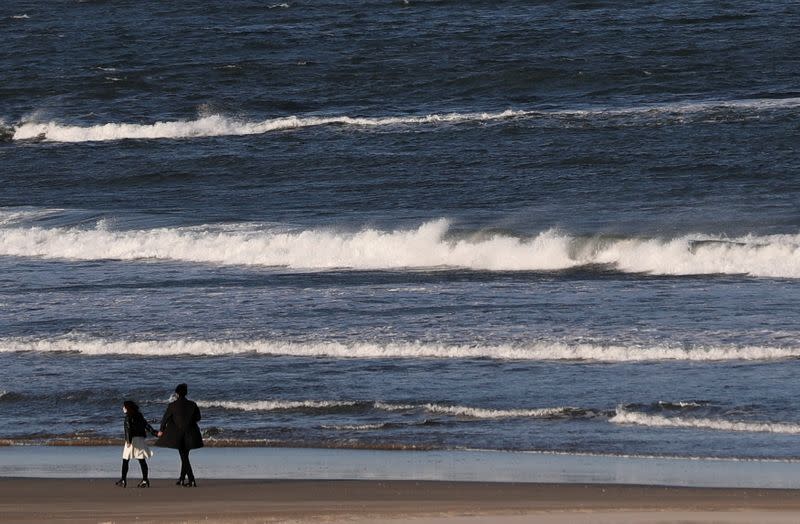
(136, 430)
(179, 431)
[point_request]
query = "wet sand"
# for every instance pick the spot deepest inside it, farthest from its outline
(445, 465)
(250, 501)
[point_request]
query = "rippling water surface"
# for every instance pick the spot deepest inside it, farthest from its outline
(565, 226)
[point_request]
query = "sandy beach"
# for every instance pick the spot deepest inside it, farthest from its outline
(76, 484)
(98, 500)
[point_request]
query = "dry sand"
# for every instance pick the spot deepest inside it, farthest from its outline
(250, 501)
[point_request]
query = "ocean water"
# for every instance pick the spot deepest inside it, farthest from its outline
(567, 226)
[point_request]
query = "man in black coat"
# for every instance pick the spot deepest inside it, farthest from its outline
(179, 431)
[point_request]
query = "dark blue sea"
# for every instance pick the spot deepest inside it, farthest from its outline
(567, 226)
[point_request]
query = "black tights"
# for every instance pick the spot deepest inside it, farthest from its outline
(186, 467)
(142, 463)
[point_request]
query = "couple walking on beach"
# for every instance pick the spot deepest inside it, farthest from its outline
(179, 430)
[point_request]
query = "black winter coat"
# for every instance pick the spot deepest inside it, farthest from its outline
(179, 426)
(136, 426)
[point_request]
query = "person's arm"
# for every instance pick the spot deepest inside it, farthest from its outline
(196, 416)
(165, 419)
(127, 425)
(150, 428)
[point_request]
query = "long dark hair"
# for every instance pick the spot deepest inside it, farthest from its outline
(133, 409)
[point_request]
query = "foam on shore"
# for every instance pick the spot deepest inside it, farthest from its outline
(623, 416)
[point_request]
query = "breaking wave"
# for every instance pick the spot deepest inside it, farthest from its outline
(364, 427)
(433, 408)
(278, 405)
(411, 350)
(430, 246)
(483, 413)
(219, 125)
(623, 416)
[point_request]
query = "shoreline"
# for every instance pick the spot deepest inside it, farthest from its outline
(115, 442)
(454, 466)
(249, 501)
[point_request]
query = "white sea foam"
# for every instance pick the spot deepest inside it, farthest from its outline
(428, 246)
(483, 413)
(220, 125)
(273, 405)
(444, 409)
(20, 17)
(624, 416)
(386, 406)
(473, 412)
(689, 107)
(402, 350)
(355, 427)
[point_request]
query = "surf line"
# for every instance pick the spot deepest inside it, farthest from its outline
(212, 125)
